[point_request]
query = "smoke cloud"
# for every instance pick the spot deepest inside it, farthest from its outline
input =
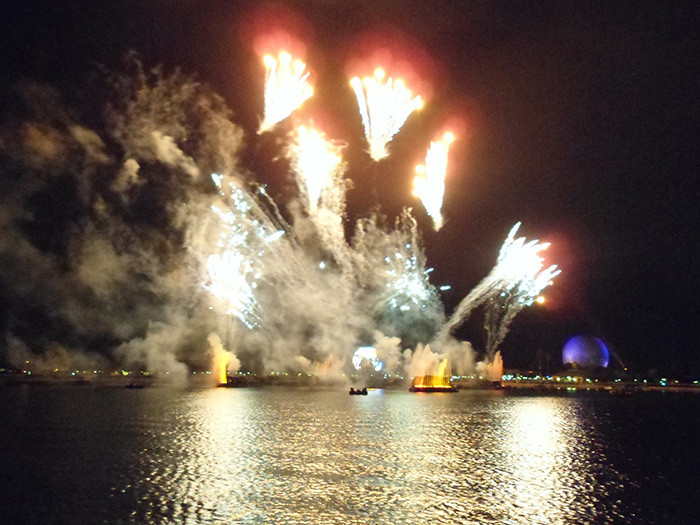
(120, 249)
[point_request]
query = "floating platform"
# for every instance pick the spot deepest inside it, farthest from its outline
(234, 382)
(432, 389)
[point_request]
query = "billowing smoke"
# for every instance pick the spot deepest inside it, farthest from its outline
(95, 222)
(144, 244)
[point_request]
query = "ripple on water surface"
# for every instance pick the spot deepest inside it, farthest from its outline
(299, 456)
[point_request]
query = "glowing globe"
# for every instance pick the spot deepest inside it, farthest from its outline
(586, 351)
(369, 354)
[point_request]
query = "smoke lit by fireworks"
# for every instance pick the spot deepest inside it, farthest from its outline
(384, 107)
(392, 265)
(310, 288)
(286, 88)
(429, 184)
(245, 232)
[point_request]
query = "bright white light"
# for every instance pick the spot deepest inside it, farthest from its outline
(229, 275)
(274, 236)
(286, 88)
(366, 353)
(519, 268)
(384, 107)
(316, 162)
(245, 235)
(429, 184)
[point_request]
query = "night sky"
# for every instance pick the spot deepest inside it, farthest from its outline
(581, 120)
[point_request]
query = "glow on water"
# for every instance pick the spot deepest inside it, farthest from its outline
(165, 455)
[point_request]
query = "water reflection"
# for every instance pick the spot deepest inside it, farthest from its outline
(307, 457)
(539, 438)
(300, 456)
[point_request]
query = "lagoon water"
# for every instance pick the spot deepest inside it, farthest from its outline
(273, 455)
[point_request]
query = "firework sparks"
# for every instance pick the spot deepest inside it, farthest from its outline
(384, 107)
(521, 278)
(316, 162)
(286, 88)
(245, 235)
(318, 169)
(402, 284)
(514, 283)
(309, 291)
(519, 268)
(429, 184)
(390, 269)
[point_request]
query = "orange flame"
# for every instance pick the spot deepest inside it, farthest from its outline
(220, 364)
(441, 379)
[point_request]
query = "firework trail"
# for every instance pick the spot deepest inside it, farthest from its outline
(246, 238)
(318, 169)
(308, 294)
(286, 88)
(384, 107)
(514, 283)
(317, 164)
(429, 184)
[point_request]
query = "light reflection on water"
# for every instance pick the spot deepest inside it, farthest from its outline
(302, 456)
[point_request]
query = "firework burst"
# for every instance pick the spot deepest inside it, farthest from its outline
(317, 163)
(384, 107)
(286, 88)
(429, 184)
(514, 283)
(247, 235)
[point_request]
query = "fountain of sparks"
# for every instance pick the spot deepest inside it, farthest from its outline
(384, 107)
(429, 184)
(379, 281)
(245, 234)
(220, 360)
(522, 279)
(286, 88)
(318, 165)
(514, 283)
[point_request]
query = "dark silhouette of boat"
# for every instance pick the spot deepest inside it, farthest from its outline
(358, 391)
(135, 385)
